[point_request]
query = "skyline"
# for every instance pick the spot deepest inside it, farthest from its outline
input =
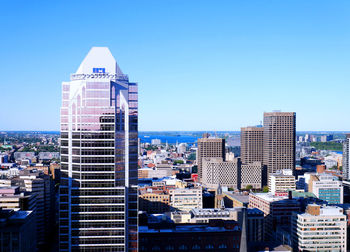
(281, 55)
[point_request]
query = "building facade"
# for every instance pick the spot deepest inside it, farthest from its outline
(277, 210)
(320, 228)
(17, 231)
(207, 148)
(216, 172)
(327, 187)
(279, 141)
(99, 140)
(186, 199)
(252, 139)
(251, 175)
(282, 182)
(346, 158)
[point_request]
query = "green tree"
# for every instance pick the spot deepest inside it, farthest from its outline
(249, 187)
(192, 156)
(265, 189)
(178, 162)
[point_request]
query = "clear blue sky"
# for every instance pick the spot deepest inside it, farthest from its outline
(200, 65)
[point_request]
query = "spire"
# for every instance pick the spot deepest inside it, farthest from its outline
(243, 246)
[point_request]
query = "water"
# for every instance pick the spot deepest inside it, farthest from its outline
(171, 139)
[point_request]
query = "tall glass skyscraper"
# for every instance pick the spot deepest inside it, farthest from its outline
(98, 191)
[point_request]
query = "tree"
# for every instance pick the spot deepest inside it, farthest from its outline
(178, 162)
(249, 187)
(265, 189)
(192, 156)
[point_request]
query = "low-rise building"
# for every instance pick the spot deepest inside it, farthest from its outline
(232, 199)
(282, 182)
(186, 199)
(218, 235)
(326, 187)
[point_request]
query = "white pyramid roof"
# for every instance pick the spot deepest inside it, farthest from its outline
(99, 57)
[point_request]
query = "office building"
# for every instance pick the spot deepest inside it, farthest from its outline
(279, 141)
(251, 175)
(320, 228)
(156, 141)
(209, 147)
(346, 158)
(326, 187)
(252, 139)
(217, 172)
(185, 199)
(154, 202)
(161, 234)
(232, 199)
(277, 210)
(11, 197)
(17, 231)
(281, 182)
(99, 141)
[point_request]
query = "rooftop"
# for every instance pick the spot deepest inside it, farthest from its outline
(237, 196)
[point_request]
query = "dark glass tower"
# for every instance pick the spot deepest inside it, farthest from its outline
(98, 191)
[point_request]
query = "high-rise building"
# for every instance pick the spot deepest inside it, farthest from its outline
(98, 191)
(209, 147)
(346, 158)
(279, 141)
(320, 228)
(252, 139)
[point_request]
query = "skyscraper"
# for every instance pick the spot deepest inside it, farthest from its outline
(279, 141)
(252, 139)
(209, 147)
(98, 191)
(346, 158)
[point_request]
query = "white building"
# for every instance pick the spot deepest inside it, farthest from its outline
(156, 141)
(181, 149)
(327, 187)
(280, 182)
(320, 228)
(186, 199)
(215, 171)
(251, 175)
(99, 142)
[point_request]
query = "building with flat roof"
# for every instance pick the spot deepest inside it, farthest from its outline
(216, 171)
(279, 141)
(327, 187)
(277, 210)
(252, 139)
(209, 147)
(346, 158)
(251, 175)
(17, 231)
(218, 235)
(281, 182)
(232, 199)
(185, 199)
(320, 228)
